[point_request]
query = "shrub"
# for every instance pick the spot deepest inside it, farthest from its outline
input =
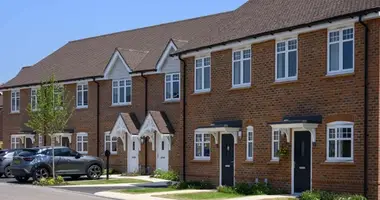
(243, 188)
(226, 189)
(111, 171)
(199, 185)
(167, 175)
(262, 188)
(50, 181)
(249, 189)
(323, 195)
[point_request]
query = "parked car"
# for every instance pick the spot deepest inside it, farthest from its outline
(6, 157)
(37, 163)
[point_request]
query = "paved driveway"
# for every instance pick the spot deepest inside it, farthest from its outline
(30, 192)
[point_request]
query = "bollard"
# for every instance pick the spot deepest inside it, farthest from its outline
(108, 153)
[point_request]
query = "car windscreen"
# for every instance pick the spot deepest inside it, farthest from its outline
(28, 152)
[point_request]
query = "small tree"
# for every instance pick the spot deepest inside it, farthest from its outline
(52, 112)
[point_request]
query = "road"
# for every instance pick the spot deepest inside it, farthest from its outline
(11, 191)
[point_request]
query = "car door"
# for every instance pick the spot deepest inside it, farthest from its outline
(71, 163)
(57, 159)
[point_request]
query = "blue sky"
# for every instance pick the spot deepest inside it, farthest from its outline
(31, 30)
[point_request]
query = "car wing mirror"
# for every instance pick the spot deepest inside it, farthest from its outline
(77, 156)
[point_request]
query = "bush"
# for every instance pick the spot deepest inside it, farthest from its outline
(243, 188)
(111, 171)
(167, 175)
(199, 185)
(50, 181)
(226, 189)
(249, 189)
(323, 195)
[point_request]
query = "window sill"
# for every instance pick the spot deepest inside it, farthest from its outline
(201, 92)
(343, 163)
(285, 82)
(200, 161)
(171, 101)
(81, 108)
(339, 75)
(245, 87)
(15, 113)
(120, 105)
(274, 162)
(83, 152)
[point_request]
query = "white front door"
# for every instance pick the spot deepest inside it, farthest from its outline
(162, 154)
(133, 154)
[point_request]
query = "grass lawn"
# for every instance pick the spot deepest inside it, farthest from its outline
(145, 190)
(104, 181)
(200, 195)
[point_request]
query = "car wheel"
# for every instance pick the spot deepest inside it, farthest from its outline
(7, 172)
(75, 177)
(22, 179)
(94, 172)
(40, 173)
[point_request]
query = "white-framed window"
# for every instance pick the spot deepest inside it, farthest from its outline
(241, 68)
(16, 142)
(59, 96)
(15, 101)
(82, 95)
(40, 140)
(121, 92)
(341, 51)
(202, 146)
(82, 143)
(249, 143)
(172, 84)
(340, 141)
(275, 144)
(202, 75)
(110, 143)
(286, 60)
(33, 99)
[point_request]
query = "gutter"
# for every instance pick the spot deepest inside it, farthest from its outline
(97, 117)
(183, 119)
(365, 184)
(328, 20)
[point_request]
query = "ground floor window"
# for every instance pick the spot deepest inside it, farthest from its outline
(249, 143)
(82, 143)
(16, 142)
(110, 143)
(340, 143)
(275, 144)
(202, 146)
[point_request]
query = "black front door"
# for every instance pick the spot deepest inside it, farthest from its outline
(302, 158)
(228, 159)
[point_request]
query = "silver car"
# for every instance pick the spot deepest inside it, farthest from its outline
(6, 158)
(37, 163)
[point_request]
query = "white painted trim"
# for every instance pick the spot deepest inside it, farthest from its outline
(340, 42)
(220, 159)
(125, 92)
(171, 99)
(165, 55)
(286, 52)
(241, 61)
(233, 45)
(33, 89)
(203, 89)
(273, 158)
(311, 159)
(250, 129)
(202, 157)
(82, 134)
(16, 91)
(108, 133)
(116, 55)
(76, 99)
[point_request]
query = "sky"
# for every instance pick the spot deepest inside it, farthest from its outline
(31, 30)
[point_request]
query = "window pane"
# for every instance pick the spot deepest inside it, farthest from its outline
(175, 77)
(176, 90)
(280, 46)
(128, 95)
(198, 79)
(276, 135)
(334, 57)
(292, 64)
(207, 78)
(168, 90)
(198, 151)
(331, 149)
(114, 146)
(281, 65)
(344, 148)
(348, 34)
(168, 78)
(250, 136)
(198, 63)
(247, 54)
(207, 137)
(79, 146)
(85, 98)
(115, 95)
(80, 99)
(207, 150)
(122, 94)
(108, 146)
(207, 61)
(246, 71)
(198, 137)
(250, 149)
(237, 55)
(331, 133)
(115, 83)
(348, 51)
(237, 72)
(292, 45)
(334, 36)
(275, 149)
(85, 146)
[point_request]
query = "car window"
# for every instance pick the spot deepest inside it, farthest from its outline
(67, 152)
(9, 155)
(26, 152)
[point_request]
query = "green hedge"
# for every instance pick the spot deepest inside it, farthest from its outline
(198, 185)
(323, 195)
(167, 175)
(250, 189)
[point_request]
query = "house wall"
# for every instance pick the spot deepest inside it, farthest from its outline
(314, 93)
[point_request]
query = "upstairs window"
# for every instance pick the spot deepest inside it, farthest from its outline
(202, 146)
(203, 74)
(33, 99)
(249, 143)
(15, 101)
(340, 51)
(241, 68)
(121, 92)
(172, 87)
(340, 141)
(286, 60)
(82, 95)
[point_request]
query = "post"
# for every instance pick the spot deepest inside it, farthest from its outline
(108, 153)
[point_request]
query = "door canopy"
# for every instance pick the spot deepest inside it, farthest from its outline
(308, 123)
(233, 127)
(126, 124)
(156, 124)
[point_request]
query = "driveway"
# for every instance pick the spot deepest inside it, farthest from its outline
(30, 192)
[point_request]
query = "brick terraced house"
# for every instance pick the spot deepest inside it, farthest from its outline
(277, 91)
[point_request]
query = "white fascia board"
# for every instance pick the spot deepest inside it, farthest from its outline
(111, 64)
(165, 55)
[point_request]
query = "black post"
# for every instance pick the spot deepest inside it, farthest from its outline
(108, 153)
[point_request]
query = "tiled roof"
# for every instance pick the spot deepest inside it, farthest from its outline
(162, 122)
(132, 57)
(131, 122)
(261, 17)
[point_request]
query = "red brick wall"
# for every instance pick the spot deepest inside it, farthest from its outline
(312, 94)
